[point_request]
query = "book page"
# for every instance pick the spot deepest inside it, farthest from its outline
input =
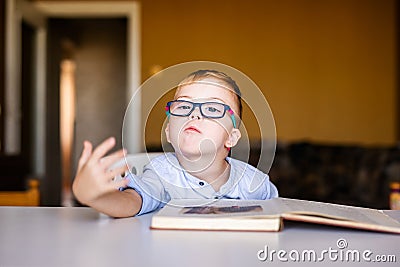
(335, 211)
(220, 208)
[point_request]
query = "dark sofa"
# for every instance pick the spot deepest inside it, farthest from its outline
(344, 174)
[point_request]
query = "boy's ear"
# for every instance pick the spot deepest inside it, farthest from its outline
(233, 138)
(167, 133)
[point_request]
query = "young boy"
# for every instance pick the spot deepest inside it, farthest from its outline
(203, 126)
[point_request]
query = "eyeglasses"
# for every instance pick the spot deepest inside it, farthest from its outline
(212, 110)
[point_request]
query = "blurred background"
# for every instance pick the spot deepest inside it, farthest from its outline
(329, 70)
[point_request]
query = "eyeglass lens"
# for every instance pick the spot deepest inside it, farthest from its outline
(208, 109)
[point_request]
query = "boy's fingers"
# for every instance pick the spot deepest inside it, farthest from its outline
(86, 152)
(120, 184)
(115, 158)
(103, 148)
(118, 170)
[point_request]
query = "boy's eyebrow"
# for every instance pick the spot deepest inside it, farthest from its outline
(212, 98)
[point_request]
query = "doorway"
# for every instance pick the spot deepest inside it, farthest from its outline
(88, 57)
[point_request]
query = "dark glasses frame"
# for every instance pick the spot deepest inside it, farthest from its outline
(226, 108)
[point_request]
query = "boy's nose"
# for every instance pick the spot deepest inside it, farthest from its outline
(194, 117)
(196, 114)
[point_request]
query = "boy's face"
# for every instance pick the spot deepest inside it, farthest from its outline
(193, 136)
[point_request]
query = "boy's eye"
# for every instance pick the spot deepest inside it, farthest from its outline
(213, 110)
(184, 107)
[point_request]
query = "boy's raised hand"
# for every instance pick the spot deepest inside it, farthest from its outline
(94, 177)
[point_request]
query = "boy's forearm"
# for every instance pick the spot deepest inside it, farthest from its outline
(118, 204)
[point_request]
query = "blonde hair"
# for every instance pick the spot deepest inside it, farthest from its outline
(227, 81)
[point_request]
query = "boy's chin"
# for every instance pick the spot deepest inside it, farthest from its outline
(197, 151)
(195, 161)
(198, 155)
(191, 154)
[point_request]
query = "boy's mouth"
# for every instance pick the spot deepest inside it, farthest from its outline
(192, 129)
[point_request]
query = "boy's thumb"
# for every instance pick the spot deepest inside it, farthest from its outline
(87, 151)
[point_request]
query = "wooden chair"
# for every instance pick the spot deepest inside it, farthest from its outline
(30, 197)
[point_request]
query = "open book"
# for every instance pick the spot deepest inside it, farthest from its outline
(266, 215)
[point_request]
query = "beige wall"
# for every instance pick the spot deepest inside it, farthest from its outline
(327, 67)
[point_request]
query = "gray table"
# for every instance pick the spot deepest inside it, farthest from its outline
(82, 237)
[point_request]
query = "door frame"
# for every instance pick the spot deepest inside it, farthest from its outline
(17, 11)
(36, 14)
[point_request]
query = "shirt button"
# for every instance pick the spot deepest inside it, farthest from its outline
(201, 183)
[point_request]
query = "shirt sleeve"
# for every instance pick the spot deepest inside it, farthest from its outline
(265, 189)
(272, 191)
(150, 188)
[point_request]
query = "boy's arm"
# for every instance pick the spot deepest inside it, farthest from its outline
(94, 183)
(118, 204)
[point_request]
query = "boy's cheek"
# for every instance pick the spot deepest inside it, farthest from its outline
(167, 133)
(177, 124)
(225, 123)
(174, 126)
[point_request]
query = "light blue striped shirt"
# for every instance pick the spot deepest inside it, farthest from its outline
(164, 179)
